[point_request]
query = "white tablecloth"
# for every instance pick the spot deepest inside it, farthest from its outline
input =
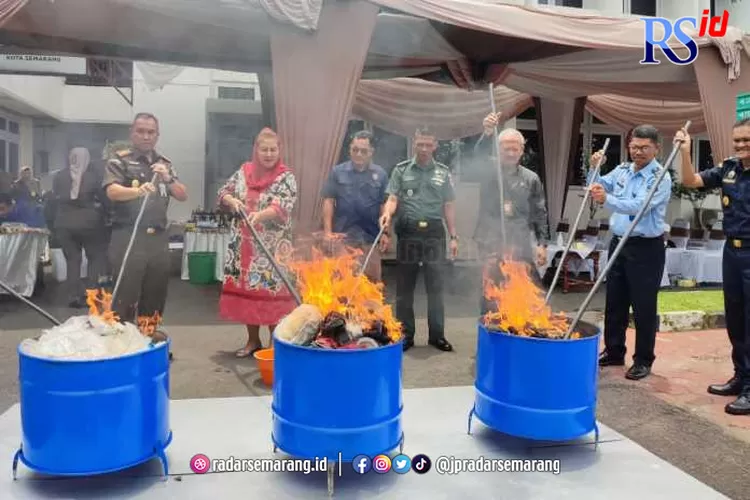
(205, 242)
(20, 254)
(702, 265)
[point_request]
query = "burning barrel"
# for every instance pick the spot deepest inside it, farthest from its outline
(531, 381)
(331, 401)
(537, 388)
(83, 416)
(337, 365)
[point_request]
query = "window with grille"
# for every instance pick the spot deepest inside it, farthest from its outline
(241, 93)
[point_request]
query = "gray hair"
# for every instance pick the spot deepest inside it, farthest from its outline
(511, 133)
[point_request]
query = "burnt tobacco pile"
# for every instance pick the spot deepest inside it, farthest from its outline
(306, 326)
(558, 331)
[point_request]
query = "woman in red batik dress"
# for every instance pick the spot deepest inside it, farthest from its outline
(253, 293)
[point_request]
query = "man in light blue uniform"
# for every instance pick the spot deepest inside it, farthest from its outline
(635, 276)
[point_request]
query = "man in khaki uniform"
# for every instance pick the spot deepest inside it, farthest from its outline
(421, 189)
(127, 179)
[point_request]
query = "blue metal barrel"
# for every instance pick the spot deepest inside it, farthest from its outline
(537, 388)
(331, 401)
(86, 417)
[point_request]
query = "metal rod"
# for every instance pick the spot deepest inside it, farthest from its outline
(29, 303)
(372, 249)
(572, 230)
(131, 242)
(271, 258)
(611, 259)
(498, 166)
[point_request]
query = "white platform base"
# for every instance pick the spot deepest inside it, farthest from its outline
(435, 423)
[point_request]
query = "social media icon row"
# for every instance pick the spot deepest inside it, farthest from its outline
(401, 464)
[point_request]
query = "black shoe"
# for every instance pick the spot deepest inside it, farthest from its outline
(607, 360)
(408, 344)
(441, 344)
(733, 387)
(740, 406)
(638, 372)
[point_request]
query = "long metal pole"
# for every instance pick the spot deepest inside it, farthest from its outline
(498, 166)
(29, 303)
(572, 230)
(131, 242)
(271, 258)
(372, 249)
(611, 259)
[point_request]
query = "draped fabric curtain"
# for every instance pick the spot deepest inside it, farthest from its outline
(315, 77)
(301, 13)
(718, 98)
(156, 75)
(402, 105)
(8, 9)
(625, 113)
(557, 119)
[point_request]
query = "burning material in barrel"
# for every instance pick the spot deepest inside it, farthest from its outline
(100, 335)
(519, 307)
(341, 309)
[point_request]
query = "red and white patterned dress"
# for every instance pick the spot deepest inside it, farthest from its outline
(253, 293)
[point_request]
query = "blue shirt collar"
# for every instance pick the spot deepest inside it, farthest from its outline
(649, 169)
(349, 167)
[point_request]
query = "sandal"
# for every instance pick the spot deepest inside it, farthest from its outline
(246, 352)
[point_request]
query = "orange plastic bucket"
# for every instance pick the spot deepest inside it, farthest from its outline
(265, 365)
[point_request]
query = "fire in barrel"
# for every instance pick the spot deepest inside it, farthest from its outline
(518, 305)
(341, 308)
(531, 381)
(94, 394)
(321, 406)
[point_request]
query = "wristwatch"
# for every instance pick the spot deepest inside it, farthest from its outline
(454, 237)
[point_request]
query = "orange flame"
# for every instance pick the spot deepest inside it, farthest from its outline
(332, 285)
(148, 324)
(100, 305)
(520, 306)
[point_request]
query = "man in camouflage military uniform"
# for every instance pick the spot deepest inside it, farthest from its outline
(524, 207)
(127, 179)
(420, 193)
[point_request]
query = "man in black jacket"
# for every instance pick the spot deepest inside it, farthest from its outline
(524, 207)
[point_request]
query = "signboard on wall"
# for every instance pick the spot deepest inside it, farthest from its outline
(42, 64)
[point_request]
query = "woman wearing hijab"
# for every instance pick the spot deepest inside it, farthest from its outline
(266, 189)
(79, 222)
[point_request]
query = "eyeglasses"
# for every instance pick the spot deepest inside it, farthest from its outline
(639, 149)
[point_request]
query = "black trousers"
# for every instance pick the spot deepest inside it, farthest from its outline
(143, 291)
(736, 284)
(634, 280)
(421, 250)
(73, 242)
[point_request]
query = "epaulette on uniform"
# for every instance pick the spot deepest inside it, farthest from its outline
(402, 165)
(122, 153)
(164, 158)
(438, 164)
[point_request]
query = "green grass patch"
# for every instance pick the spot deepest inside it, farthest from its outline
(694, 300)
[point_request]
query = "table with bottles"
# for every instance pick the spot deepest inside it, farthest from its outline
(207, 232)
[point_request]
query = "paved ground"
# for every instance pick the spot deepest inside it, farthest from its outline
(670, 413)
